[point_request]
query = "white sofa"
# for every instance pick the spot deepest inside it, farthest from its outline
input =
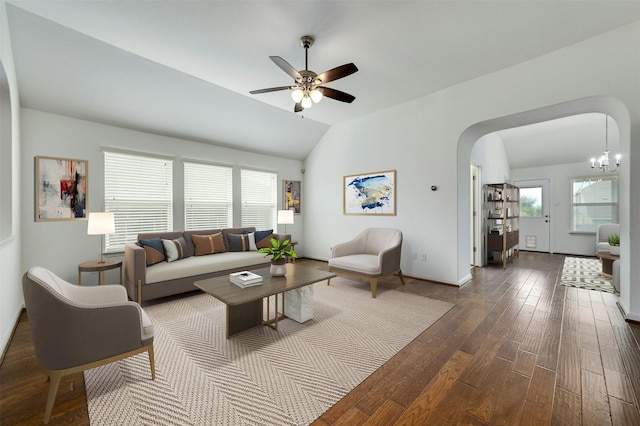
(145, 282)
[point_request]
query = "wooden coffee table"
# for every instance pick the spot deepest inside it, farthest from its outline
(245, 305)
(607, 262)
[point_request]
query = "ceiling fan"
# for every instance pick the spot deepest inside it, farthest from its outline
(308, 88)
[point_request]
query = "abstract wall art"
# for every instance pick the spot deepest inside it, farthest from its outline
(61, 189)
(291, 196)
(370, 194)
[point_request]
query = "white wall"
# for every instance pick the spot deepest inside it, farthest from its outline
(429, 141)
(490, 154)
(11, 301)
(60, 246)
(562, 240)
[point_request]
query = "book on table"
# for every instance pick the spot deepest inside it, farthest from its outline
(245, 279)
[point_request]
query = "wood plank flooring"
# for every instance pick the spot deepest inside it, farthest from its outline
(516, 349)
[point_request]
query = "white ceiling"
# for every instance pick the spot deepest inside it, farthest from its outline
(185, 68)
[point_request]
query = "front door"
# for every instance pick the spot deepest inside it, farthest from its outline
(535, 228)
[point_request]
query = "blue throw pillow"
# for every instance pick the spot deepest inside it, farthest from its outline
(154, 250)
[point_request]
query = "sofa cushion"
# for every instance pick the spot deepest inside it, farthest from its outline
(239, 242)
(263, 238)
(198, 265)
(188, 237)
(209, 244)
(175, 249)
(362, 263)
(154, 250)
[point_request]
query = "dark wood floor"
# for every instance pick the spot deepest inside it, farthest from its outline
(516, 349)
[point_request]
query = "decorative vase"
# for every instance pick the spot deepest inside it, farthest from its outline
(278, 268)
(614, 250)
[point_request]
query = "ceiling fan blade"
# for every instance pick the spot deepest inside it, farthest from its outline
(271, 89)
(298, 107)
(337, 94)
(338, 72)
(286, 67)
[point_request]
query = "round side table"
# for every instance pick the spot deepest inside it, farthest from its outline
(100, 267)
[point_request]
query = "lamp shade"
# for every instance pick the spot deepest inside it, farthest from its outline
(101, 223)
(285, 217)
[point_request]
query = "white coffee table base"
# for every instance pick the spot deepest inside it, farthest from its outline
(298, 304)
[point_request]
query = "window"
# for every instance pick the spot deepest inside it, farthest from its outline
(531, 202)
(139, 190)
(594, 201)
(208, 196)
(259, 194)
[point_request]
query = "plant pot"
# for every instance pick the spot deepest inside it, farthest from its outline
(278, 268)
(614, 250)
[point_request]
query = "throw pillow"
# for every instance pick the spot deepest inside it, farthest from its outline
(208, 244)
(175, 249)
(154, 250)
(239, 242)
(252, 241)
(263, 238)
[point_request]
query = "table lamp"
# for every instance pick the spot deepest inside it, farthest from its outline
(101, 223)
(285, 217)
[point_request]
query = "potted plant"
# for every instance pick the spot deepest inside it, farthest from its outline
(614, 243)
(279, 252)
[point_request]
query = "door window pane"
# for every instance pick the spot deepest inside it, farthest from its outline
(531, 202)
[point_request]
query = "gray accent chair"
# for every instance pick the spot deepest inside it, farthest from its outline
(372, 255)
(603, 232)
(78, 328)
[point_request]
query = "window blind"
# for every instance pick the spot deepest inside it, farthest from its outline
(208, 196)
(139, 190)
(259, 193)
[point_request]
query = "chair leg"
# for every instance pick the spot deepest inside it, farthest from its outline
(401, 277)
(54, 382)
(328, 281)
(374, 287)
(152, 362)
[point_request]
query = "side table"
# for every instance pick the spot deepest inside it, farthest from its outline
(292, 243)
(100, 267)
(607, 262)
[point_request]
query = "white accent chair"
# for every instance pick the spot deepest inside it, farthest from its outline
(372, 255)
(77, 328)
(603, 232)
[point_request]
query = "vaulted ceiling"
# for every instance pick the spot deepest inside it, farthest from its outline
(185, 68)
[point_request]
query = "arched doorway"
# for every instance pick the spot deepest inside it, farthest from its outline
(607, 105)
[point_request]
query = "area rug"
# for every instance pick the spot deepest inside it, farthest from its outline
(582, 272)
(262, 377)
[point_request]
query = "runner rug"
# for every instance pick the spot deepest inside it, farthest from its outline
(261, 377)
(582, 272)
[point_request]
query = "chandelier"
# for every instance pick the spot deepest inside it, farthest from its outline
(603, 162)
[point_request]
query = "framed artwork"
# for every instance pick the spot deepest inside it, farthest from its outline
(291, 196)
(370, 194)
(61, 189)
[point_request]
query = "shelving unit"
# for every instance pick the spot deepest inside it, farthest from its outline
(501, 223)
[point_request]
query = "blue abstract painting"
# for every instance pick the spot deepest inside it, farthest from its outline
(370, 193)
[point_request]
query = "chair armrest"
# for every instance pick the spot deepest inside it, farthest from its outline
(389, 259)
(347, 248)
(135, 268)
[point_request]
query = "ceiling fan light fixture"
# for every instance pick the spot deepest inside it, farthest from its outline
(297, 95)
(316, 95)
(306, 102)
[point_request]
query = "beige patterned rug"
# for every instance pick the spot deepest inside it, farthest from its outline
(262, 377)
(586, 273)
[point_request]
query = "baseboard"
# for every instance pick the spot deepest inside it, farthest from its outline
(10, 335)
(629, 317)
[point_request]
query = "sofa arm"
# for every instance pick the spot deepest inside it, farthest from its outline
(135, 268)
(282, 237)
